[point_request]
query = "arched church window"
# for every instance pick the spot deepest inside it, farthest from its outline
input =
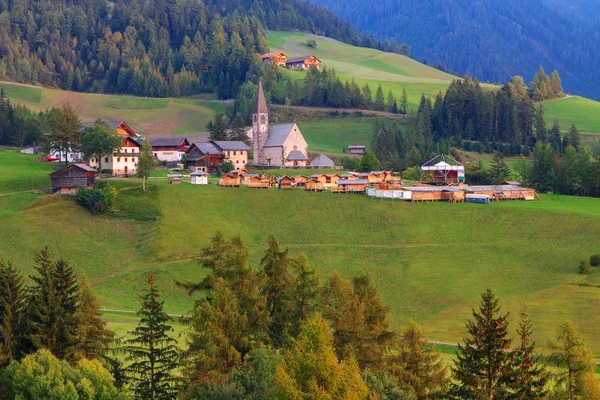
(254, 118)
(262, 119)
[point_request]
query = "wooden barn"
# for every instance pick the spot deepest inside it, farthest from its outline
(357, 149)
(285, 182)
(256, 181)
(303, 63)
(314, 185)
(277, 57)
(371, 177)
(299, 180)
(352, 185)
(69, 179)
(199, 178)
(174, 179)
(320, 177)
(240, 171)
(350, 175)
(229, 180)
(331, 179)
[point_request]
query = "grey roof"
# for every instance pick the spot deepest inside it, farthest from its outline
(250, 175)
(278, 134)
(295, 60)
(316, 175)
(111, 124)
(322, 161)
(231, 145)
(352, 182)
(357, 146)
(296, 155)
(167, 141)
(208, 148)
(198, 173)
(260, 104)
(84, 167)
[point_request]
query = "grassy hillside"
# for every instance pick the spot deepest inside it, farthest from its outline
(431, 261)
(374, 67)
(582, 112)
(148, 116)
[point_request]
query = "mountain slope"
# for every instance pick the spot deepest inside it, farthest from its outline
(491, 39)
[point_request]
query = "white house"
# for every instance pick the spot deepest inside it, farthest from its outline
(199, 178)
(123, 161)
(169, 148)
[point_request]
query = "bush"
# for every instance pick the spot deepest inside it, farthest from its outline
(349, 162)
(584, 268)
(226, 167)
(413, 174)
(478, 147)
(595, 260)
(101, 199)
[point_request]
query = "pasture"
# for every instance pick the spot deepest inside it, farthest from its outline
(582, 112)
(431, 261)
(147, 116)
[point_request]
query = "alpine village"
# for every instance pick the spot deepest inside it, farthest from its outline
(299, 200)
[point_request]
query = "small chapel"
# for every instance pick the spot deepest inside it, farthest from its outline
(278, 145)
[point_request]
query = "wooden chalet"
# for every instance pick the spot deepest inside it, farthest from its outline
(314, 185)
(240, 171)
(285, 182)
(371, 177)
(352, 185)
(277, 57)
(331, 179)
(256, 181)
(204, 157)
(320, 177)
(229, 180)
(303, 63)
(69, 179)
(357, 149)
(299, 180)
(350, 175)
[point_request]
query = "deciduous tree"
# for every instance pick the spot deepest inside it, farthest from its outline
(146, 162)
(98, 141)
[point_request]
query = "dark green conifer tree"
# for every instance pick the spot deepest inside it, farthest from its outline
(12, 309)
(153, 354)
(217, 127)
(379, 103)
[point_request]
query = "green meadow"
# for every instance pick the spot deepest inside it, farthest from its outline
(582, 112)
(147, 116)
(431, 261)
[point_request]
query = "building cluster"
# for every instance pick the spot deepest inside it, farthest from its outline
(301, 63)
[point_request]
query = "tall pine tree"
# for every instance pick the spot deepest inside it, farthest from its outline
(152, 352)
(12, 307)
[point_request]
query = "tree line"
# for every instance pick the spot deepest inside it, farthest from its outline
(19, 126)
(279, 331)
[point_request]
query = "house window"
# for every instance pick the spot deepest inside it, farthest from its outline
(118, 159)
(105, 159)
(255, 118)
(125, 159)
(235, 153)
(155, 154)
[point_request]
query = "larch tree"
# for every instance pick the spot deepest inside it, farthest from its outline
(216, 127)
(305, 286)
(414, 361)
(483, 369)
(146, 162)
(152, 353)
(312, 371)
(530, 375)
(572, 357)
(12, 309)
(277, 291)
(93, 336)
(98, 141)
(403, 101)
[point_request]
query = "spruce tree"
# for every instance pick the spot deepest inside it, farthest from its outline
(390, 101)
(572, 357)
(305, 284)
(483, 366)
(12, 307)
(238, 131)
(216, 127)
(93, 336)
(275, 266)
(414, 361)
(529, 375)
(574, 137)
(499, 170)
(403, 101)
(379, 103)
(152, 352)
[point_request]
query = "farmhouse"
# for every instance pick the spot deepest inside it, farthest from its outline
(67, 180)
(124, 160)
(199, 178)
(278, 145)
(303, 63)
(322, 161)
(357, 149)
(169, 148)
(278, 58)
(234, 151)
(204, 157)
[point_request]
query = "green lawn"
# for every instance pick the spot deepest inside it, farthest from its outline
(19, 172)
(431, 261)
(147, 116)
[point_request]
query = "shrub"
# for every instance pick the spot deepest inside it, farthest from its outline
(412, 173)
(226, 167)
(595, 260)
(478, 147)
(584, 268)
(349, 162)
(98, 200)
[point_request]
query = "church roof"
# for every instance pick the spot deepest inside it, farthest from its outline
(260, 104)
(296, 155)
(322, 161)
(278, 134)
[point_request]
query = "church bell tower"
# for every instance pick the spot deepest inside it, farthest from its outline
(260, 126)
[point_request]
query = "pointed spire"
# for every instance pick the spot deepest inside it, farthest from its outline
(260, 104)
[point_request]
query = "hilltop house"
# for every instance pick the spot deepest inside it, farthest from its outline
(277, 145)
(303, 63)
(278, 58)
(123, 161)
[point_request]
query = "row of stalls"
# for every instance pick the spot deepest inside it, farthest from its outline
(457, 194)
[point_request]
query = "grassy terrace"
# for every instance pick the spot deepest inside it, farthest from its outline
(431, 261)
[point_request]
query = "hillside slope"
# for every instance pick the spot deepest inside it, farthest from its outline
(490, 39)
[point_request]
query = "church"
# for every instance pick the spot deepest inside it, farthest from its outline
(278, 145)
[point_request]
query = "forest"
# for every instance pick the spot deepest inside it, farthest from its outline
(152, 48)
(277, 330)
(490, 40)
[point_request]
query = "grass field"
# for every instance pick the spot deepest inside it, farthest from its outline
(147, 116)
(582, 112)
(431, 261)
(19, 172)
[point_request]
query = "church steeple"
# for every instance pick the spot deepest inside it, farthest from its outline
(260, 126)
